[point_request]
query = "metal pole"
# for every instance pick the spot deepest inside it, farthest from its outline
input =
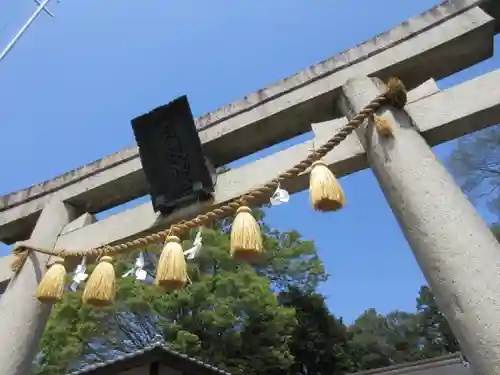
(41, 7)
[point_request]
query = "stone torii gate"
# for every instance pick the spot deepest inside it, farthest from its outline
(455, 249)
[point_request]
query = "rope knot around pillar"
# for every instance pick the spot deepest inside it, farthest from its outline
(20, 253)
(396, 92)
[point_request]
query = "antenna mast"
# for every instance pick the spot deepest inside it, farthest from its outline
(41, 7)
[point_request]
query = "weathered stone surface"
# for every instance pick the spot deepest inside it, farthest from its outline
(455, 249)
(446, 365)
(23, 316)
(6, 261)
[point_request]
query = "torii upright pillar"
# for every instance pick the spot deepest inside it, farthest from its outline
(23, 316)
(458, 254)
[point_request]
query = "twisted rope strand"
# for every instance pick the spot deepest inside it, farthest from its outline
(395, 95)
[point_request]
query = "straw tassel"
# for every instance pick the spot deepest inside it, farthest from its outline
(51, 287)
(171, 272)
(326, 192)
(19, 260)
(20, 254)
(246, 239)
(383, 126)
(396, 92)
(100, 289)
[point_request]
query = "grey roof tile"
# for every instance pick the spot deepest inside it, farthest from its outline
(159, 345)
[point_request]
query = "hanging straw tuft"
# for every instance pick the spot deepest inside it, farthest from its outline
(396, 92)
(51, 287)
(171, 272)
(383, 126)
(100, 289)
(326, 192)
(246, 239)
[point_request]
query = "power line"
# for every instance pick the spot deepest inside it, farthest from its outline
(41, 7)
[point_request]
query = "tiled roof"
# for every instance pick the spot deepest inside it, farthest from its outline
(445, 365)
(451, 364)
(154, 352)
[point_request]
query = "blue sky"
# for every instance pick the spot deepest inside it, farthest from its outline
(71, 86)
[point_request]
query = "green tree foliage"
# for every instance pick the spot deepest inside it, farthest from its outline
(475, 164)
(496, 231)
(261, 319)
(320, 342)
(379, 340)
(382, 340)
(434, 328)
(229, 316)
